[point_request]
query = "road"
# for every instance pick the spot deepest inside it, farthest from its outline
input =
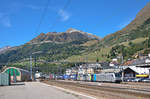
(37, 90)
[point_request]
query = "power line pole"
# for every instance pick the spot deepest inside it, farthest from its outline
(31, 66)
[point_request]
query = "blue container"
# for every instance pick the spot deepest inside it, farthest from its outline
(74, 77)
(94, 77)
(66, 76)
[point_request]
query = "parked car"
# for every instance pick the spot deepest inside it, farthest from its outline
(125, 79)
(146, 80)
(137, 80)
(130, 79)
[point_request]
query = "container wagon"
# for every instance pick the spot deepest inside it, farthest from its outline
(66, 77)
(81, 77)
(73, 77)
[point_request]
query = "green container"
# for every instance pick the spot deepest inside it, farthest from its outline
(4, 79)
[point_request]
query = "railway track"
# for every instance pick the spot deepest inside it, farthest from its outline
(122, 88)
(107, 92)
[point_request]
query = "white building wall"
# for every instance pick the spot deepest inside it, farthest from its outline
(140, 70)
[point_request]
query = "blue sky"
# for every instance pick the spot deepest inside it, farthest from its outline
(19, 19)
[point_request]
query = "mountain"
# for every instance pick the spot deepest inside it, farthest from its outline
(3, 49)
(132, 40)
(141, 17)
(78, 46)
(52, 46)
(127, 33)
(68, 36)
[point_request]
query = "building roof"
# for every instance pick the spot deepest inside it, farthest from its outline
(139, 70)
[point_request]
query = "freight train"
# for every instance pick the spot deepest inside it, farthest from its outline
(101, 77)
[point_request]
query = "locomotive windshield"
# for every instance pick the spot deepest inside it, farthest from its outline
(117, 74)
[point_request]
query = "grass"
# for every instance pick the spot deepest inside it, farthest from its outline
(89, 43)
(138, 40)
(101, 54)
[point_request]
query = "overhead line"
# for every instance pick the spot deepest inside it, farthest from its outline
(42, 17)
(57, 19)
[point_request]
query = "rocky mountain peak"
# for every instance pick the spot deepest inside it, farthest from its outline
(70, 30)
(68, 36)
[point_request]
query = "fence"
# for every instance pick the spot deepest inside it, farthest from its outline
(4, 79)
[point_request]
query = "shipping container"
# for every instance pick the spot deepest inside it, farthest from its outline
(66, 77)
(73, 76)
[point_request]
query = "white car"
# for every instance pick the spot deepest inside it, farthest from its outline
(146, 80)
(38, 75)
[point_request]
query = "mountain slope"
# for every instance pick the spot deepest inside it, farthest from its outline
(141, 17)
(51, 46)
(124, 34)
(75, 45)
(137, 32)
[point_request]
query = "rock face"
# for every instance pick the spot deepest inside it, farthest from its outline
(72, 30)
(68, 36)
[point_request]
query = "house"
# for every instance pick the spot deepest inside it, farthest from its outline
(133, 71)
(90, 68)
(129, 73)
(68, 71)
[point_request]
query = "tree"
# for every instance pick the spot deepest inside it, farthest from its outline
(97, 60)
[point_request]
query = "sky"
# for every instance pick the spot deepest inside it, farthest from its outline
(23, 20)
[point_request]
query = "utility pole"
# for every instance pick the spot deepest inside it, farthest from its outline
(31, 66)
(122, 68)
(149, 73)
(122, 59)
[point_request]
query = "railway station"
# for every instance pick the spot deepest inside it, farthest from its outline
(75, 49)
